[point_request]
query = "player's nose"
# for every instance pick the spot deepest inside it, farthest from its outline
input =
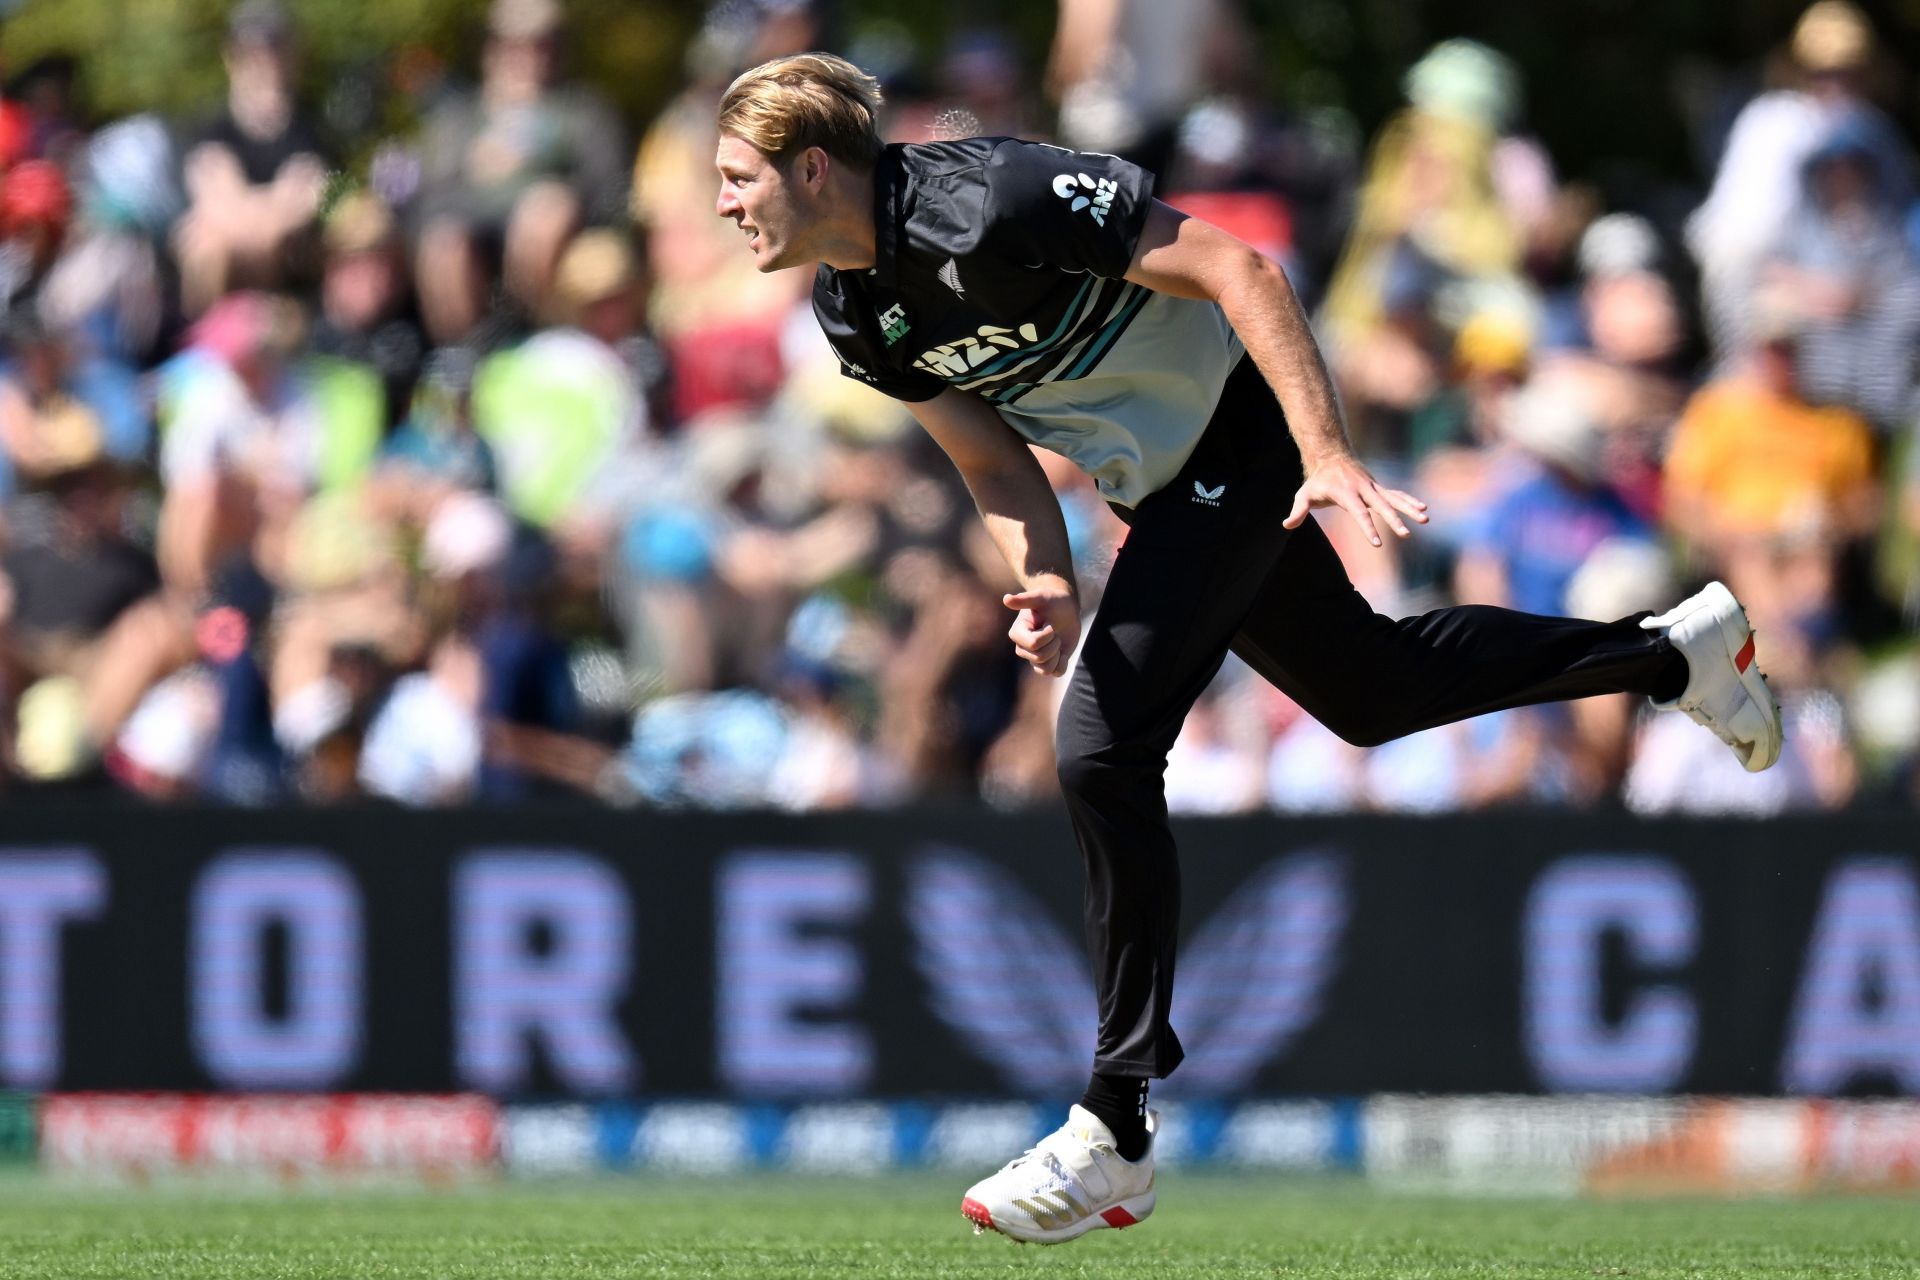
(726, 204)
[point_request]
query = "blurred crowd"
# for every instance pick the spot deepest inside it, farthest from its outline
(477, 463)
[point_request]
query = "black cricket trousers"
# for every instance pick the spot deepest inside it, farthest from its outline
(1207, 568)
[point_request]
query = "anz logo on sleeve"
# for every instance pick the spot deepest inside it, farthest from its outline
(1084, 192)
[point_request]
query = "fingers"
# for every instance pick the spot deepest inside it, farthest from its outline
(1391, 502)
(1406, 502)
(1362, 514)
(1047, 657)
(1378, 501)
(1028, 632)
(1368, 500)
(1301, 502)
(1040, 647)
(1039, 644)
(1030, 640)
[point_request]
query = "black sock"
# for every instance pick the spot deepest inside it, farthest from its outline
(1121, 1104)
(1673, 681)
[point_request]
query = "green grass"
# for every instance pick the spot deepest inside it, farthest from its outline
(1207, 1226)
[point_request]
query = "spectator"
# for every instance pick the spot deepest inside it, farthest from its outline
(48, 90)
(1845, 266)
(1756, 190)
(720, 319)
(244, 441)
(36, 208)
(436, 450)
(57, 412)
(1496, 759)
(1431, 228)
(509, 173)
(366, 320)
(68, 572)
(424, 745)
(558, 410)
(1534, 538)
(823, 764)
(1125, 71)
(108, 287)
(1752, 460)
(1623, 352)
(255, 174)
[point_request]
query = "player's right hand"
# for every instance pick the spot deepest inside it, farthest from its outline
(1045, 629)
(1343, 481)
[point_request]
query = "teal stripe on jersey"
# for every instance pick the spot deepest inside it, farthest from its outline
(1108, 335)
(1047, 367)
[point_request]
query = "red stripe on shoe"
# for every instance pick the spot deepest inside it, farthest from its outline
(974, 1211)
(1744, 659)
(1118, 1217)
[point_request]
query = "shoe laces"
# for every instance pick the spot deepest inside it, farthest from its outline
(1045, 1153)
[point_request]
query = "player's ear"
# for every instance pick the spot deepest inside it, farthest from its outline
(815, 164)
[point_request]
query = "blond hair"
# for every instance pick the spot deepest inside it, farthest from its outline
(782, 107)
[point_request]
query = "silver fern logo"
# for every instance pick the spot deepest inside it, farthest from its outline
(1015, 984)
(1208, 497)
(950, 277)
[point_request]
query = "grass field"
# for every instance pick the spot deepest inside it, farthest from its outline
(1207, 1226)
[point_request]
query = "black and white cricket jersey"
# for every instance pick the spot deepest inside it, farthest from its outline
(998, 269)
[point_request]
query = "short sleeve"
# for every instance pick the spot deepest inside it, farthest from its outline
(209, 413)
(862, 358)
(1073, 210)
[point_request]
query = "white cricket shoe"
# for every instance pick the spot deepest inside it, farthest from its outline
(1725, 690)
(1073, 1182)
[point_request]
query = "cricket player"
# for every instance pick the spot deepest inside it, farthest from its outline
(1016, 294)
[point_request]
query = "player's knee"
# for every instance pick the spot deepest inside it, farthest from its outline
(1362, 728)
(1077, 772)
(1086, 774)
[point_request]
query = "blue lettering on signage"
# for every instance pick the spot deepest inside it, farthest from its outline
(781, 979)
(40, 891)
(508, 993)
(1858, 1009)
(315, 1043)
(1574, 905)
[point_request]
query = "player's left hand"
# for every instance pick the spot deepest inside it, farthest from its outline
(1046, 630)
(1342, 481)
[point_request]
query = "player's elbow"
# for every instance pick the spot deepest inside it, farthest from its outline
(1251, 269)
(1246, 283)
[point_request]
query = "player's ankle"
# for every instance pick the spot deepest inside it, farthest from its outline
(1120, 1103)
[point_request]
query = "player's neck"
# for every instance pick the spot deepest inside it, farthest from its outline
(847, 238)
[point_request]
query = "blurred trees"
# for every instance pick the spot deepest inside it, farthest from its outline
(165, 54)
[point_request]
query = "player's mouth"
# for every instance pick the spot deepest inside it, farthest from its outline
(752, 234)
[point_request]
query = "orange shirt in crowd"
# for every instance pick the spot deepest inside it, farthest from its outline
(1752, 461)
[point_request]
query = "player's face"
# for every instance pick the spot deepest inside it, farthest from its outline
(763, 202)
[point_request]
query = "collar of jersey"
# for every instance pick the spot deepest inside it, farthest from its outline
(888, 192)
